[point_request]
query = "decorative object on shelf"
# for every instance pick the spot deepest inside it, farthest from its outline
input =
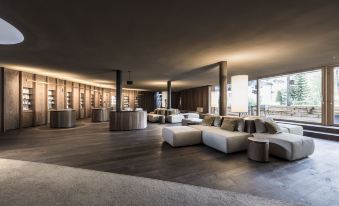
(51, 99)
(239, 103)
(69, 100)
(82, 100)
(27, 99)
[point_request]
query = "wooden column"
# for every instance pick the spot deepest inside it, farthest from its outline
(118, 86)
(223, 88)
(169, 94)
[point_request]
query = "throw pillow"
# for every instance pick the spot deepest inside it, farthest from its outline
(241, 125)
(272, 127)
(260, 126)
(229, 124)
(208, 120)
(217, 121)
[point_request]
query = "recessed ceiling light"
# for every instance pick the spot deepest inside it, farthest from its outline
(9, 34)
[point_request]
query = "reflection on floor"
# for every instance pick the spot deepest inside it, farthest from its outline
(311, 181)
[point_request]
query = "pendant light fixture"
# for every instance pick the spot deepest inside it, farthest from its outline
(129, 81)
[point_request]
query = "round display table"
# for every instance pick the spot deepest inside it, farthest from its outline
(127, 120)
(62, 118)
(258, 149)
(100, 114)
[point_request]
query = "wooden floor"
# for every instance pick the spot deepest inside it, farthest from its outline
(311, 181)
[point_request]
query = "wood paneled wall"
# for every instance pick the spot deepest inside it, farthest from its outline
(148, 101)
(27, 117)
(11, 101)
(87, 101)
(40, 103)
(76, 98)
(11, 109)
(60, 94)
(193, 98)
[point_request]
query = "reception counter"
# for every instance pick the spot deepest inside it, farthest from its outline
(100, 114)
(62, 118)
(127, 120)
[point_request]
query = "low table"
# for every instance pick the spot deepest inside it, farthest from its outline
(162, 119)
(258, 149)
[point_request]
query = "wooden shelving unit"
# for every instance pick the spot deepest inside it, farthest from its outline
(126, 102)
(27, 99)
(113, 101)
(101, 100)
(92, 100)
(69, 100)
(137, 102)
(82, 100)
(51, 99)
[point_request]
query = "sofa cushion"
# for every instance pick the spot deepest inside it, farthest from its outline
(174, 118)
(223, 140)
(241, 125)
(208, 120)
(290, 128)
(272, 127)
(229, 124)
(217, 121)
(260, 126)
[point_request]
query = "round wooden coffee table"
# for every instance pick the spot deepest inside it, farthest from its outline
(258, 149)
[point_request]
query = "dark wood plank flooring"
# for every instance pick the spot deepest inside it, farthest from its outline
(311, 181)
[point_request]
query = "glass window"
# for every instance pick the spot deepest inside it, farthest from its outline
(252, 98)
(336, 95)
(295, 97)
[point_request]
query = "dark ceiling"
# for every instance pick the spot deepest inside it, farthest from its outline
(170, 40)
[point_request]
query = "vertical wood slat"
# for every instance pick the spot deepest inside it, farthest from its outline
(196, 97)
(11, 96)
(2, 99)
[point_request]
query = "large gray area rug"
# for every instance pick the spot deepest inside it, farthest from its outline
(28, 183)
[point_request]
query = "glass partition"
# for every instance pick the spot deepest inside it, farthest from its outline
(295, 97)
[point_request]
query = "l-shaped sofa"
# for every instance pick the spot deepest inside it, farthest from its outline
(290, 144)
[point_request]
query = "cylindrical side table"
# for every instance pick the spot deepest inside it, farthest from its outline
(100, 114)
(258, 149)
(162, 119)
(62, 118)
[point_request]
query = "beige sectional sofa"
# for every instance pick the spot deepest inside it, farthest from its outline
(289, 144)
(171, 115)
